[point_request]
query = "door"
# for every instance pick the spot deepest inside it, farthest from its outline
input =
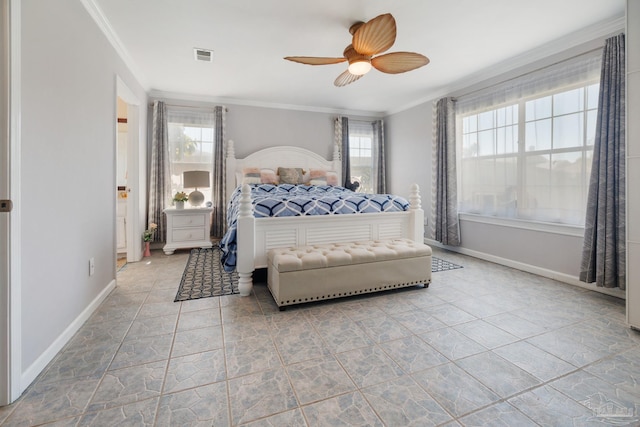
(10, 368)
(122, 186)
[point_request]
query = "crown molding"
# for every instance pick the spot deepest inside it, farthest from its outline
(588, 38)
(105, 26)
(162, 95)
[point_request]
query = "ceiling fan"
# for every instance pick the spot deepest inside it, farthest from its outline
(369, 39)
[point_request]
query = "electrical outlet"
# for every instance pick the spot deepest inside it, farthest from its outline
(92, 266)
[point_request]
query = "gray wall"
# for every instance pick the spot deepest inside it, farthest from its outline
(559, 253)
(67, 169)
(408, 143)
(255, 128)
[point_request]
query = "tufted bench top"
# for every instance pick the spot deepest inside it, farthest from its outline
(348, 253)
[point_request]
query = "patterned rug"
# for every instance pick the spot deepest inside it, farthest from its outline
(204, 277)
(438, 264)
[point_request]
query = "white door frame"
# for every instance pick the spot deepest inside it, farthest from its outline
(10, 301)
(133, 227)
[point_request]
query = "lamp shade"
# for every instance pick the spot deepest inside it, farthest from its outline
(196, 179)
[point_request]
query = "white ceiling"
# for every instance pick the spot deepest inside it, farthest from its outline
(249, 38)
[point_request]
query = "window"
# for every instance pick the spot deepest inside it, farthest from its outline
(361, 155)
(530, 159)
(365, 155)
(190, 145)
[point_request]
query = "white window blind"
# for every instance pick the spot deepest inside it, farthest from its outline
(582, 68)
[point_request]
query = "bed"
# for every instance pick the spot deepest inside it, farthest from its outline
(254, 233)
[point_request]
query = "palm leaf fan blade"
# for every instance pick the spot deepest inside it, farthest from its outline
(345, 78)
(314, 60)
(399, 62)
(375, 36)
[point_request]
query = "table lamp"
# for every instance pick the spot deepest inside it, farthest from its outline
(196, 179)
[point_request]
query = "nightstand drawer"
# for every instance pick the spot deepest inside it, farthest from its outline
(188, 220)
(188, 234)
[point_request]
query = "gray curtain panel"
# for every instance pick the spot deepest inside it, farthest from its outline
(446, 228)
(159, 174)
(379, 157)
(342, 134)
(219, 222)
(604, 251)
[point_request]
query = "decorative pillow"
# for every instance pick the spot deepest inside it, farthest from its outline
(332, 178)
(268, 176)
(317, 177)
(251, 176)
(291, 175)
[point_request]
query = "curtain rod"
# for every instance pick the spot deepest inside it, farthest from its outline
(226, 109)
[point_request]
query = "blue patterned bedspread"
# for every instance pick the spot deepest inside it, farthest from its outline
(296, 200)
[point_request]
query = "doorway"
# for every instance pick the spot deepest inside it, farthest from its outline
(127, 185)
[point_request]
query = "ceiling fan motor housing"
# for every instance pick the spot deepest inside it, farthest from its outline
(355, 58)
(369, 40)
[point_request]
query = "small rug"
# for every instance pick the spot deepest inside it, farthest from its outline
(204, 276)
(438, 264)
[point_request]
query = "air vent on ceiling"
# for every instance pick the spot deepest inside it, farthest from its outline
(204, 55)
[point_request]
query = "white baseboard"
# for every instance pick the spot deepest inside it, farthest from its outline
(555, 275)
(47, 356)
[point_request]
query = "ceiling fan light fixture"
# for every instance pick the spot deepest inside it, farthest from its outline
(369, 40)
(360, 67)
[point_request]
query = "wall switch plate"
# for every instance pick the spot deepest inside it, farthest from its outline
(92, 266)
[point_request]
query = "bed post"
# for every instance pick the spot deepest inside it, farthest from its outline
(245, 239)
(417, 214)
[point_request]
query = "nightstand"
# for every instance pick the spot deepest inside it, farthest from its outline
(187, 228)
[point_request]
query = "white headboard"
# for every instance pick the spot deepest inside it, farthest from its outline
(279, 156)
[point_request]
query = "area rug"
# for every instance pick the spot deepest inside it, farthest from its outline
(438, 264)
(204, 277)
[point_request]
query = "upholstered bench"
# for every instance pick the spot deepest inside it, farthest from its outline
(318, 272)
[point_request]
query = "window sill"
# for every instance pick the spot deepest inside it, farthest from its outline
(545, 227)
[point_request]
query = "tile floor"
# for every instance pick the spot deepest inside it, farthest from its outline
(483, 345)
